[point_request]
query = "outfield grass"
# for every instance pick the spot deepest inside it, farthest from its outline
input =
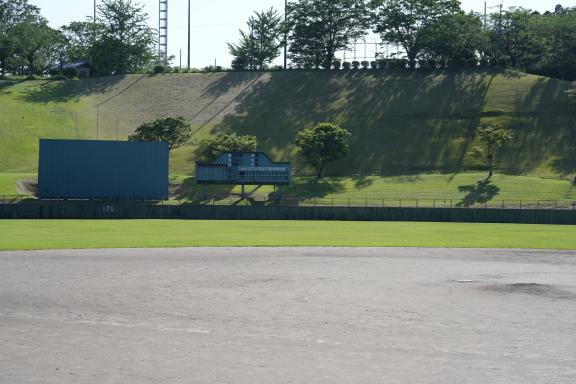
(402, 122)
(67, 234)
(468, 187)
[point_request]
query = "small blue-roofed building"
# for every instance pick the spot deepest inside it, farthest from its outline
(243, 168)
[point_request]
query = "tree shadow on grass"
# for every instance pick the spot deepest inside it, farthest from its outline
(61, 91)
(362, 182)
(189, 192)
(308, 188)
(6, 84)
(479, 193)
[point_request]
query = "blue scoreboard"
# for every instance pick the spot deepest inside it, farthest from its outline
(86, 169)
(243, 168)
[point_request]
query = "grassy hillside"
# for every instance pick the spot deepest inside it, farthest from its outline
(402, 123)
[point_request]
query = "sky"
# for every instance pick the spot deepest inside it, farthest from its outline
(215, 23)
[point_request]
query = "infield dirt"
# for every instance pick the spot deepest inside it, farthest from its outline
(286, 315)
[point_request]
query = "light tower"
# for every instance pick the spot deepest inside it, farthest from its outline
(163, 31)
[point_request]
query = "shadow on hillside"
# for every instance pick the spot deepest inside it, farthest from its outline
(61, 91)
(232, 80)
(479, 193)
(5, 85)
(219, 88)
(544, 128)
(402, 122)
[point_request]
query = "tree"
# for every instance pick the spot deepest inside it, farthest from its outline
(261, 44)
(323, 143)
(127, 41)
(491, 140)
(81, 37)
(513, 35)
(404, 22)
(209, 149)
(175, 131)
(555, 52)
(13, 12)
(33, 42)
(455, 40)
(320, 28)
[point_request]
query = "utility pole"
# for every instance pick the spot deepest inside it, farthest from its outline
(94, 18)
(188, 34)
(485, 15)
(285, 35)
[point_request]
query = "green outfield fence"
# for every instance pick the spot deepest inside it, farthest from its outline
(36, 209)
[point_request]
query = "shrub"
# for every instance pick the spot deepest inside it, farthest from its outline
(70, 73)
(356, 64)
(159, 68)
(374, 64)
(176, 70)
(337, 64)
(346, 65)
(382, 64)
(209, 149)
(239, 64)
(67, 73)
(213, 68)
(175, 131)
(365, 64)
(398, 63)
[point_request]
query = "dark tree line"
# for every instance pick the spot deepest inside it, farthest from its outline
(429, 33)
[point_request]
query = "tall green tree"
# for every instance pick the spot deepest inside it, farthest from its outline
(405, 22)
(556, 48)
(12, 13)
(320, 28)
(33, 41)
(456, 40)
(513, 36)
(82, 37)
(127, 41)
(259, 46)
(323, 143)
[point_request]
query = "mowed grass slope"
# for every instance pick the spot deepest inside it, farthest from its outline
(9, 183)
(462, 188)
(61, 234)
(403, 123)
